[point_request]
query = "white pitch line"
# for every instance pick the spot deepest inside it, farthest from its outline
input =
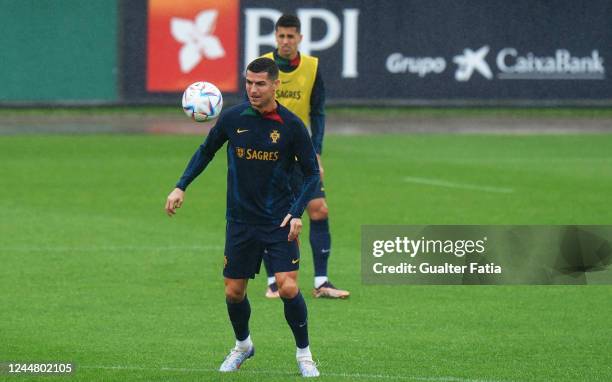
(278, 372)
(110, 248)
(465, 186)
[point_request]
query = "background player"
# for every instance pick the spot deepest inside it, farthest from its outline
(264, 141)
(302, 91)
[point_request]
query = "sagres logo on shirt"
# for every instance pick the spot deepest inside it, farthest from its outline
(252, 154)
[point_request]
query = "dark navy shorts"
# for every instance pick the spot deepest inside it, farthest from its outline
(297, 180)
(245, 245)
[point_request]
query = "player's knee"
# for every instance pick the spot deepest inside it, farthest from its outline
(287, 287)
(318, 210)
(233, 294)
(323, 212)
(288, 290)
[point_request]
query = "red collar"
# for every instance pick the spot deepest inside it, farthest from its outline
(273, 115)
(295, 62)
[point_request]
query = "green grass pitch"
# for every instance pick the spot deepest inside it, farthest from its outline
(93, 272)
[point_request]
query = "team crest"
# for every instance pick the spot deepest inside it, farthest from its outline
(274, 135)
(240, 152)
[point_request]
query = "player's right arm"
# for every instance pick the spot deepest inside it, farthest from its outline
(317, 117)
(174, 201)
(200, 159)
(317, 113)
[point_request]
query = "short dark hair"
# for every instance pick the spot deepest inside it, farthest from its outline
(264, 64)
(288, 21)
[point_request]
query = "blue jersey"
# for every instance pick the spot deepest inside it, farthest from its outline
(261, 154)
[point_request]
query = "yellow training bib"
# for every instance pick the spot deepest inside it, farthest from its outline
(296, 87)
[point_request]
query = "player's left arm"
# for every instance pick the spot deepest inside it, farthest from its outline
(307, 160)
(317, 116)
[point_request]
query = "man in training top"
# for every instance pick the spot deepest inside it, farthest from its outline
(264, 140)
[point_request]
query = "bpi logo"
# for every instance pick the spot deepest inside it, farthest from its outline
(192, 40)
(336, 29)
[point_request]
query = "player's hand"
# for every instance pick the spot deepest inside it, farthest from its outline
(320, 166)
(295, 226)
(174, 201)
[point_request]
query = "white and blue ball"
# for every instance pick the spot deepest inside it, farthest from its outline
(202, 101)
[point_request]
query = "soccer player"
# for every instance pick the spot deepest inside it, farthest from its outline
(263, 214)
(302, 91)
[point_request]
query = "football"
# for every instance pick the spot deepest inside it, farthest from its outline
(202, 101)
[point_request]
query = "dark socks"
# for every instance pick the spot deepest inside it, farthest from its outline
(296, 316)
(320, 241)
(239, 314)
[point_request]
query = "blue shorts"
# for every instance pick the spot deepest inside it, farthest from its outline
(297, 181)
(245, 245)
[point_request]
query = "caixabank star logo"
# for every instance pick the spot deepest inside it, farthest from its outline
(192, 40)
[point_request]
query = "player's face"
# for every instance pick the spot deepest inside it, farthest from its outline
(260, 90)
(287, 42)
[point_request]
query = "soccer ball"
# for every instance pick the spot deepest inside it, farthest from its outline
(202, 101)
